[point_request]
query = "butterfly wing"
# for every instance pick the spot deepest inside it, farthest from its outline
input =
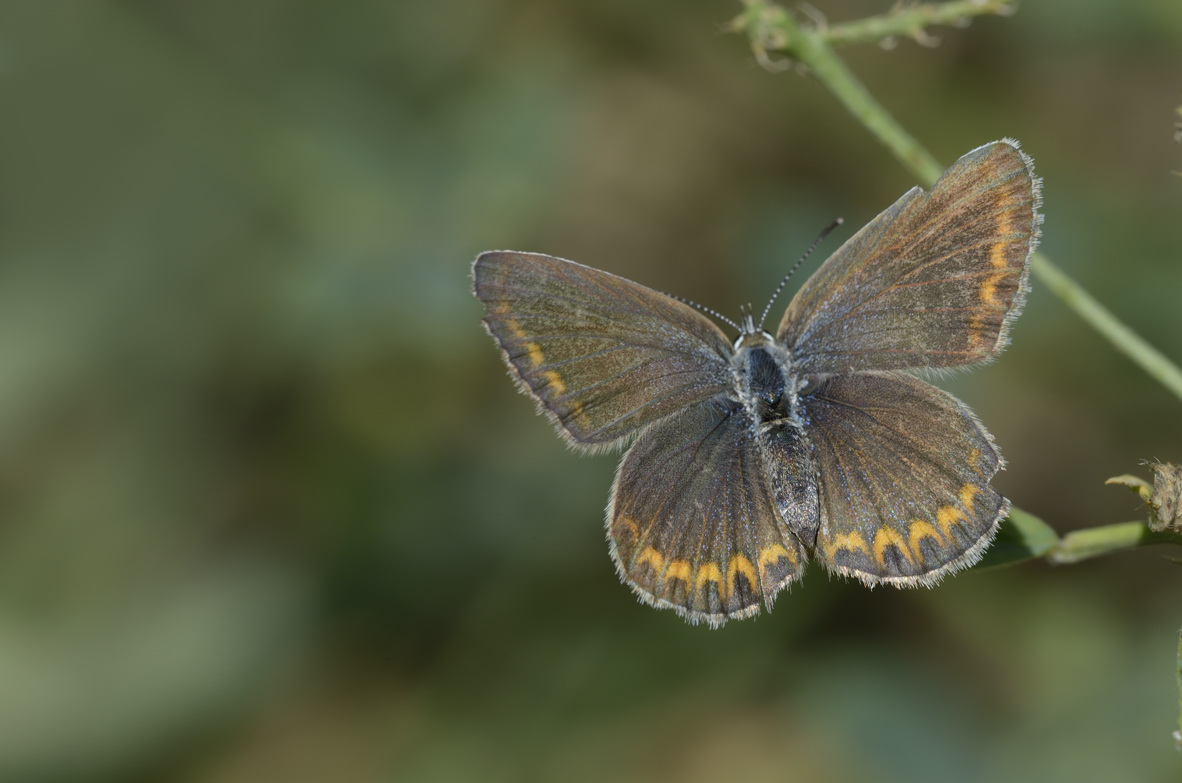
(904, 472)
(602, 355)
(691, 522)
(934, 281)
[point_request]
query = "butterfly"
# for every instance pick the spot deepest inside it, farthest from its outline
(748, 458)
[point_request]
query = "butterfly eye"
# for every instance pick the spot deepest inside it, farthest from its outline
(772, 397)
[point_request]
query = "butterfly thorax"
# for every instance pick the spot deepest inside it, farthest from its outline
(763, 378)
(768, 389)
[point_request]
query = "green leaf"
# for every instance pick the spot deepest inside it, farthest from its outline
(1022, 537)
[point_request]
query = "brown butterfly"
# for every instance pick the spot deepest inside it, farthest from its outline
(750, 457)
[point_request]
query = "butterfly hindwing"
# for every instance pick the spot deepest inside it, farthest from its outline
(904, 472)
(691, 522)
(934, 281)
(603, 355)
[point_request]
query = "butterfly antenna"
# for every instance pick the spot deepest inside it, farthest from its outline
(706, 310)
(820, 238)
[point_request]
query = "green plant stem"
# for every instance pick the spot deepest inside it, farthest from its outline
(1024, 536)
(1178, 733)
(1096, 541)
(771, 28)
(1124, 339)
(910, 21)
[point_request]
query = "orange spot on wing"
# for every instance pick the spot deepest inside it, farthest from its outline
(554, 380)
(653, 558)
(947, 516)
(918, 530)
(997, 254)
(852, 542)
(576, 413)
(532, 350)
(679, 569)
(741, 565)
(707, 572)
(967, 493)
(976, 339)
(769, 558)
(887, 536)
(514, 327)
(989, 289)
(629, 524)
(770, 554)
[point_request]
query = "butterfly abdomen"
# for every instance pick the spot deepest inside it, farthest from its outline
(766, 389)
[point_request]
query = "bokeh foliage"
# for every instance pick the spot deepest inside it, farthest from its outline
(271, 509)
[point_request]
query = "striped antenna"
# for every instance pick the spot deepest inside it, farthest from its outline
(792, 271)
(706, 310)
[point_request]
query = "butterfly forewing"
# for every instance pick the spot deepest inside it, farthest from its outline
(904, 472)
(931, 282)
(691, 521)
(603, 355)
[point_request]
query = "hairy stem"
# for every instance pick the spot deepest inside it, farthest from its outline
(911, 21)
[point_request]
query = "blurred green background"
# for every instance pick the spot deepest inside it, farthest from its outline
(270, 508)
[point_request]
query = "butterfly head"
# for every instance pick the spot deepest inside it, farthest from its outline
(751, 335)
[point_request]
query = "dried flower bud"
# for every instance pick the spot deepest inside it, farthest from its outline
(1164, 497)
(1166, 502)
